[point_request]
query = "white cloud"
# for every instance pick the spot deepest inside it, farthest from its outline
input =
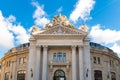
(22, 36)
(82, 10)
(10, 32)
(6, 37)
(116, 48)
(11, 18)
(40, 15)
(59, 10)
(104, 36)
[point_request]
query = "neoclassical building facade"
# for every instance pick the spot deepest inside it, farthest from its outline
(60, 51)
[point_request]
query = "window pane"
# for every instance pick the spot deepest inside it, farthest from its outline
(94, 59)
(19, 60)
(54, 57)
(59, 56)
(24, 59)
(98, 60)
(64, 56)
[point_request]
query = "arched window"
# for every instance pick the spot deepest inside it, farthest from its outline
(64, 56)
(21, 75)
(7, 74)
(113, 76)
(54, 57)
(97, 75)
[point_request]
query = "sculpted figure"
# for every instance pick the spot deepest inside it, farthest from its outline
(34, 29)
(84, 28)
(59, 20)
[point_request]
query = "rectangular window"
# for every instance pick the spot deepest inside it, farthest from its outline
(0, 66)
(8, 64)
(64, 57)
(94, 60)
(20, 59)
(98, 60)
(111, 63)
(59, 56)
(24, 60)
(54, 57)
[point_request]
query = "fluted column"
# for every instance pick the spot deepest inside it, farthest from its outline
(44, 72)
(38, 62)
(74, 77)
(81, 68)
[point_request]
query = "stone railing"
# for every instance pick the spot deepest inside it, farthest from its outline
(62, 62)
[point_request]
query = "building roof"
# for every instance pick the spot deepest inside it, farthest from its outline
(101, 47)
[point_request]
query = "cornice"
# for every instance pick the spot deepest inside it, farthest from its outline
(102, 52)
(12, 54)
(59, 36)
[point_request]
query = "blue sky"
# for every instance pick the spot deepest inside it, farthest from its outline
(17, 17)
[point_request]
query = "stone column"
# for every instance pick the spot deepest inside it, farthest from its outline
(74, 77)
(44, 70)
(87, 60)
(38, 62)
(81, 67)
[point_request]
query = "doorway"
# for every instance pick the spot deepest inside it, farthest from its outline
(59, 75)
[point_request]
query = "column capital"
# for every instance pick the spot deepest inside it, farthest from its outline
(38, 46)
(73, 46)
(32, 45)
(80, 46)
(45, 46)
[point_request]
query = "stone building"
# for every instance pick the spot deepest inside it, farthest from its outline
(60, 52)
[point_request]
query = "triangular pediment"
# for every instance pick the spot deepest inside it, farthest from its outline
(59, 25)
(59, 29)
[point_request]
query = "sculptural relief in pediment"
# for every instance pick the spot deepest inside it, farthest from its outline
(62, 30)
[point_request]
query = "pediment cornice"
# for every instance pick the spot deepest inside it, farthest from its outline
(60, 29)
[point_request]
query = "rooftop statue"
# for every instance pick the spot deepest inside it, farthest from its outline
(59, 20)
(34, 29)
(84, 28)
